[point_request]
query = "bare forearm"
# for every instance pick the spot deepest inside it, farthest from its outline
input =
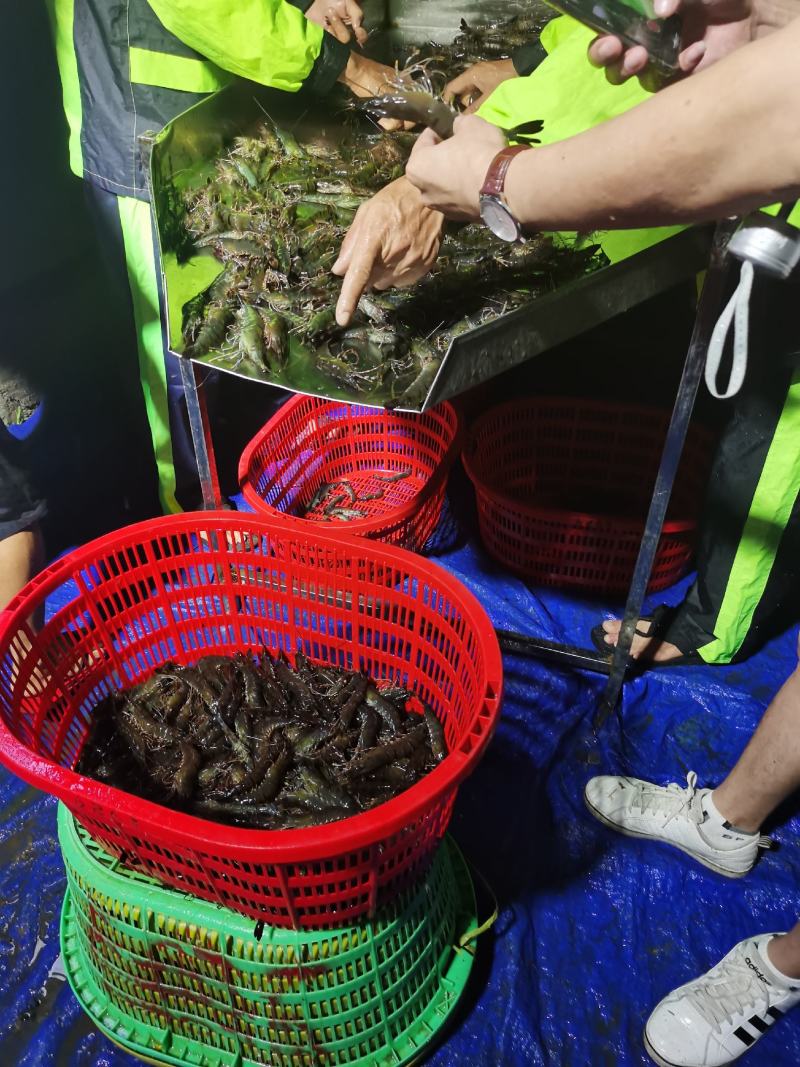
(720, 142)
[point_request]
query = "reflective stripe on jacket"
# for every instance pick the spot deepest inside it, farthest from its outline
(571, 96)
(131, 66)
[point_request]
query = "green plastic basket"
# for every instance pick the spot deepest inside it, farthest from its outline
(175, 979)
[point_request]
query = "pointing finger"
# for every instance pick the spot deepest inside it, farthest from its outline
(350, 243)
(356, 281)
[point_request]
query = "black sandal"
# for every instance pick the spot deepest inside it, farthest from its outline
(660, 621)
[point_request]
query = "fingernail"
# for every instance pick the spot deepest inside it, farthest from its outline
(690, 58)
(607, 49)
(662, 8)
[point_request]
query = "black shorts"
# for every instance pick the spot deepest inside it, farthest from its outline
(21, 505)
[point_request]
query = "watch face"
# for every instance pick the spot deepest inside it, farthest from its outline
(499, 219)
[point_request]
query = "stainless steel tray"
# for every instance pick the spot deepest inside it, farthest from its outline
(182, 157)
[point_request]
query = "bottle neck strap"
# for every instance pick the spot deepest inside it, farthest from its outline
(737, 313)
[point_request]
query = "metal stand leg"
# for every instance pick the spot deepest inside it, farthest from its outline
(201, 436)
(584, 659)
(707, 313)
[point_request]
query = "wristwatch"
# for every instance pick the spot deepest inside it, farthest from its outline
(494, 210)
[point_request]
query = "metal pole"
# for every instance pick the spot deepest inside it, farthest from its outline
(565, 655)
(708, 310)
(201, 435)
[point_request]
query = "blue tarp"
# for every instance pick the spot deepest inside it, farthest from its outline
(594, 928)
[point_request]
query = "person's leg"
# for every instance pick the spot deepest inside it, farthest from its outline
(719, 827)
(21, 557)
(126, 231)
(179, 484)
(768, 771)
(750, 531)
(783, 952)
(644, 648)
(714, 1019)
(21, 510)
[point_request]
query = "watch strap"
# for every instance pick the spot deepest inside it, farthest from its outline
(495, 180)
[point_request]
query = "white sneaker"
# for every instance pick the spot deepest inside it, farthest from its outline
(685, 818)
(716, 1018)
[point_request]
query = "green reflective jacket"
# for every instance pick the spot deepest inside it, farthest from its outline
(128, 66)
(572, 96)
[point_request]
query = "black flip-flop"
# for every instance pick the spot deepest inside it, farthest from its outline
(659, 621)
(598, 635)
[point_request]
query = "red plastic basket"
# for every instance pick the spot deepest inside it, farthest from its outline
(563, 486)
(175, 588)
(310, 441)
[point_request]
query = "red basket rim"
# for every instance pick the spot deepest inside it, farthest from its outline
(534, 511)
(355, 527)
(270, 846)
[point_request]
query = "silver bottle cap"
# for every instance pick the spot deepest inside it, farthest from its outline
(770, 244)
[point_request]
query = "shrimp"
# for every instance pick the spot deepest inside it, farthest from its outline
(410, 96)
(412, 105)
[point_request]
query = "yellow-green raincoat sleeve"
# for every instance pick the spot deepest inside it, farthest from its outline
(571, 96)
(265, 41)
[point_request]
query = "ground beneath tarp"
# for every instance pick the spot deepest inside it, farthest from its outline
(594, 928)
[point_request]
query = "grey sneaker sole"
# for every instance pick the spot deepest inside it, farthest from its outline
(726, 871)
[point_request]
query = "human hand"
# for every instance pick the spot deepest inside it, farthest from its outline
(393, 241)
(711, 30)
(365, 78)
(479, 81)
(449, 174)
(342, 18)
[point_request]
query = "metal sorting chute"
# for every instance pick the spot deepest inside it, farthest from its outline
(182, 157)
